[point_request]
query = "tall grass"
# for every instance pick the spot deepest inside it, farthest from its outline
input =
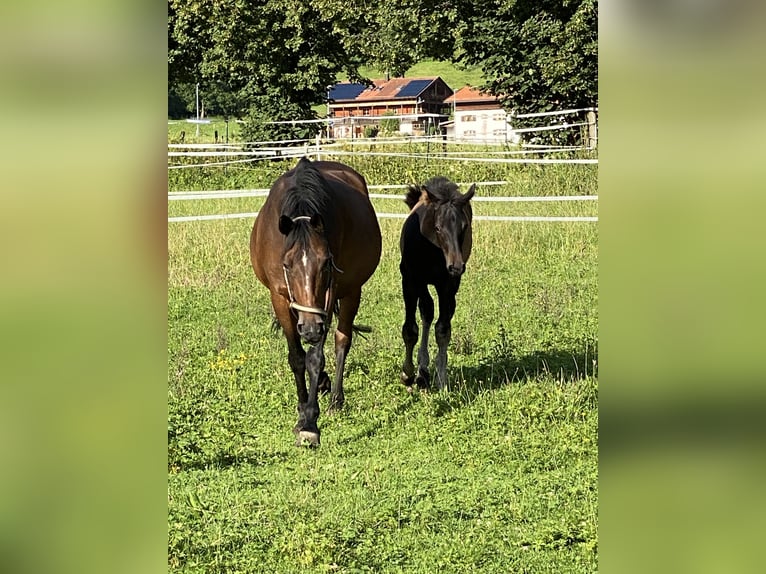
(496, 475)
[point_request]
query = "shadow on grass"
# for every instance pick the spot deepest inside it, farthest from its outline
(467, 383)
(390, 415)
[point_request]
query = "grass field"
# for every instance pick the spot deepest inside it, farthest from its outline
(497, 475)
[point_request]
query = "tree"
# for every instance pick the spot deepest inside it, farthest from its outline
(401, 33)
(259, 124)
(241, 51)
(537, 55)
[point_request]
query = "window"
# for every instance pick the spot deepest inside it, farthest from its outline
(469, 133)
(468, 118)
(499, 117)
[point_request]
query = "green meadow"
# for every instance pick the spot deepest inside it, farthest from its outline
(498, 474)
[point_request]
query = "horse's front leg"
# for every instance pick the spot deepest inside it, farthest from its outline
(349, 306)
(409, 328)
(309, 431)
(444, 332)
(296, 356)
(426, 307)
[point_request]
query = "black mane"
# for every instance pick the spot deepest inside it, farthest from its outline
(442, 189)
(309, 195)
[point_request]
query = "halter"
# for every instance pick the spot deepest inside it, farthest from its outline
(306, 309)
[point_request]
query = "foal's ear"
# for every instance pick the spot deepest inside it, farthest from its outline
(285, 225)
(428, 195)
(317, 223)
(466, 197)
(413, 196)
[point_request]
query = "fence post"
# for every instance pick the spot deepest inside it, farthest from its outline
(592, 130)
(318, 154)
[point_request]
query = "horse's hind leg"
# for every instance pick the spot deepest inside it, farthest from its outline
(426, 306)
(409, 330)
(349, 306)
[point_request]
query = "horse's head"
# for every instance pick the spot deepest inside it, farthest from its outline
(308, 267)
(446, 221)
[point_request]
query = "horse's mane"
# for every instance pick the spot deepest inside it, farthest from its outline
(439, 187)
(310, 193)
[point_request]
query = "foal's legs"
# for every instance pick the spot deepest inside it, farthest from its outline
(426, 306)
(349, 306)
(409, 329)
(444, 330)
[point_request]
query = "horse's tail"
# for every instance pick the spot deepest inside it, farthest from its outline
(361, 330)
(356, 329)
(414, 193)
(275, 326)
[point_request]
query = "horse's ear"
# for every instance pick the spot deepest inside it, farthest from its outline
(466, 197)
(285, 225)
(317, 223)
(414, 195)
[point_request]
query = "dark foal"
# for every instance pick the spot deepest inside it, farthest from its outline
(435, 245)
(315, 242)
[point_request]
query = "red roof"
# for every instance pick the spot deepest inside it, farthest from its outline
(383, 89)
(470, 94)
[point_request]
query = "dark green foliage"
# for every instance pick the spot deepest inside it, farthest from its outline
(259, 124)
(538, 56)
(240, 52)
(400, 33)
(389, 125)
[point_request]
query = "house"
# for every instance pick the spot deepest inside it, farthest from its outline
(478, 117)
(417, 103)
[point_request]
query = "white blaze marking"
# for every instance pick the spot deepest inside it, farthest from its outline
(305, 260)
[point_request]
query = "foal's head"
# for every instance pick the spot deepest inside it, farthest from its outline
(446, 220)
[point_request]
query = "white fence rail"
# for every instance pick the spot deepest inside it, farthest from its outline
(232, 194)
(183, 218)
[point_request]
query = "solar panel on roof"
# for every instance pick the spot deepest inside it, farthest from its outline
(346, 91)
(413, 88)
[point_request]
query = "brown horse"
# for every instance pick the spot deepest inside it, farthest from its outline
(435, 244)
(315, 242)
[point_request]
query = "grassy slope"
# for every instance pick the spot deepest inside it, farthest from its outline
(498, 475)
(454, 76)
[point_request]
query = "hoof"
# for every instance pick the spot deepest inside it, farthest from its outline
(324, 383)
(423, 380)
(407, 380)
(306, 438)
